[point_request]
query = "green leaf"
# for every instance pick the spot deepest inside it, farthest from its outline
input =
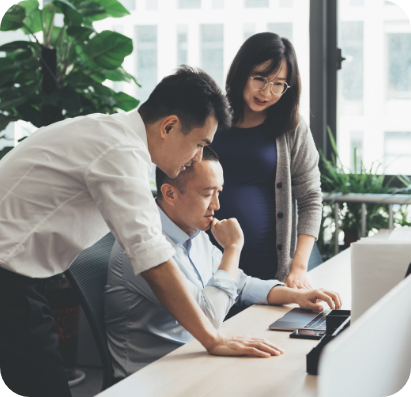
(16, 45)
(125, 102)
(6, 64)
(26, 76)
(71, 16)
(80, 33)
(33, 22)
(5, 120)
(29, 113)
(80, 80)
(108, 49)
(91, 10)
(13, 18)
(69, 100)
(12, 102)
(113, 8)
(29, 5)
(119, 74)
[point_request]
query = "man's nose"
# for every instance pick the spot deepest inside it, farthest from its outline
(198, 156)
(215, 203)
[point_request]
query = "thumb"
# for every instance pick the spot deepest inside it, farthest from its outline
(313, 306)
(213, 223)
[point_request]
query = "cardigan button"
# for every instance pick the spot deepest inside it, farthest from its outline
(279, 247)
(279, 185)
(279, 215)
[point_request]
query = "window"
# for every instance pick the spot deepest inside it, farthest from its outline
(187, 4)
(129, 4)
(216, 4)
(249, 30)
(146, 38)
(257, 3)
(397, 153)
(374, 85)
(357, 3)
(286, 3)
(212, 51)
(399, 66)
(151, 4)
(283, 29)
(356, 149)
(182, 44)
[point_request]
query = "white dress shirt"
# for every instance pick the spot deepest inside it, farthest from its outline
(68, 184)
(140, 330)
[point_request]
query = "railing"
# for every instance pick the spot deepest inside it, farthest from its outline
(364, 199)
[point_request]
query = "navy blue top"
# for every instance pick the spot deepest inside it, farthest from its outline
(249, 160)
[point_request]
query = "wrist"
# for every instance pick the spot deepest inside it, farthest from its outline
(298, 267)
(234, 247)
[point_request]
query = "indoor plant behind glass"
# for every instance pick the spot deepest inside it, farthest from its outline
(57, 74)
(335, 178)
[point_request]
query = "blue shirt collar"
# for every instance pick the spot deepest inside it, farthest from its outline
(173, 231)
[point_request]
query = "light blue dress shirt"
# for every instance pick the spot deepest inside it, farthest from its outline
(139, 329)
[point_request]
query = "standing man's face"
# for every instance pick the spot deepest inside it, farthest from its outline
(182, 150)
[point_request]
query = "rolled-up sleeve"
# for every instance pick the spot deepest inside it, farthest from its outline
(118, 182)
(253, 291)
(305, 181)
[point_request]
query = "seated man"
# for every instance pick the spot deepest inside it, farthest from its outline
(139, 329)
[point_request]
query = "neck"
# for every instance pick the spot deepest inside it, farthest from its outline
(168, 211)
(251, 118)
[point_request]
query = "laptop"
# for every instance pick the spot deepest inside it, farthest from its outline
(301, 319)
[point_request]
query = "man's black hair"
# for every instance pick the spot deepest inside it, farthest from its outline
(190, 94)
(181, 180)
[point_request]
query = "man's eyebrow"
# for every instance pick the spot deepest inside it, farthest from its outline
(207, 141)
(213, 187)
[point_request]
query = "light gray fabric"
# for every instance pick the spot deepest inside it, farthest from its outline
(300, 191)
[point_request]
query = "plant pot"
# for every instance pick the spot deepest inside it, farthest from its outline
(350, 236)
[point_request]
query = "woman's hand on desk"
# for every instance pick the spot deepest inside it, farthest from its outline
(235, 345)
(298, 279)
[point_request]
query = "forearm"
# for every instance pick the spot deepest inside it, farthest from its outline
(302, 254)
(282, 296)
(167, 283)
(230, 260)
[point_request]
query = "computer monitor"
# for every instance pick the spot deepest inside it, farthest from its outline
(371, 358)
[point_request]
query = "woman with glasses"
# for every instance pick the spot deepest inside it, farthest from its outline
(270, 162)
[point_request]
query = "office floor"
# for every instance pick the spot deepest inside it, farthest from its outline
(91, 385)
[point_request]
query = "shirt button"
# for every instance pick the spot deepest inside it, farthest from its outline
(279, 185)
(279, 247)
(279, 215)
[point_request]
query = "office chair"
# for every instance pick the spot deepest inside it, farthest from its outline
(315, 258)
(88, 275)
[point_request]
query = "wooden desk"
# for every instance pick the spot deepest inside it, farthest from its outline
(189, 371)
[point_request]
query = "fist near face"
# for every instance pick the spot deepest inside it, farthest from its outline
(227, 232)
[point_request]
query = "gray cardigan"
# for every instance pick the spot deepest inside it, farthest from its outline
(298, 193)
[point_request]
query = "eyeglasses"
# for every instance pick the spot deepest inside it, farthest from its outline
(277, 87)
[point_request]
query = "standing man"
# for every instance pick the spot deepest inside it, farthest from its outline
(66, 186)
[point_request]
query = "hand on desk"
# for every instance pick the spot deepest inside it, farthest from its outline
(235, 345)
(298, 279)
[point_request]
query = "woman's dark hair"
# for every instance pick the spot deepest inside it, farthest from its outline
(183, 177)
(256, 50)
(192, 95)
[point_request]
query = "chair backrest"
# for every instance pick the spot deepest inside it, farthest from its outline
(88, 274)
(315, 258)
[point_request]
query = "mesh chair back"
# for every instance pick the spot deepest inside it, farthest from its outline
(315, 258)
(88, 274)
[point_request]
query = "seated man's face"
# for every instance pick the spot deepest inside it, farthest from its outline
(195, 207)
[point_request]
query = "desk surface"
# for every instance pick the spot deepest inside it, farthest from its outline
(190, 371)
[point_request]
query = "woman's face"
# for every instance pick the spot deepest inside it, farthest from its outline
(261, 100)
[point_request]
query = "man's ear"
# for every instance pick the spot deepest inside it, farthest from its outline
(168, 124)
(168, 191)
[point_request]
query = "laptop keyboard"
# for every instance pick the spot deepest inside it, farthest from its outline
(317, 322)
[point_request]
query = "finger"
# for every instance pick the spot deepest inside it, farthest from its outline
(266, 346)
(326, 298)
(252, 351)
(336, 298)
(312, 306)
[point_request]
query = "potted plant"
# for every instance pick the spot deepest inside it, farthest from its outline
(59, 73)
(336, 178)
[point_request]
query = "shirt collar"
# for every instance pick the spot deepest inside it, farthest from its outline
(173, 231)
(137, 124)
